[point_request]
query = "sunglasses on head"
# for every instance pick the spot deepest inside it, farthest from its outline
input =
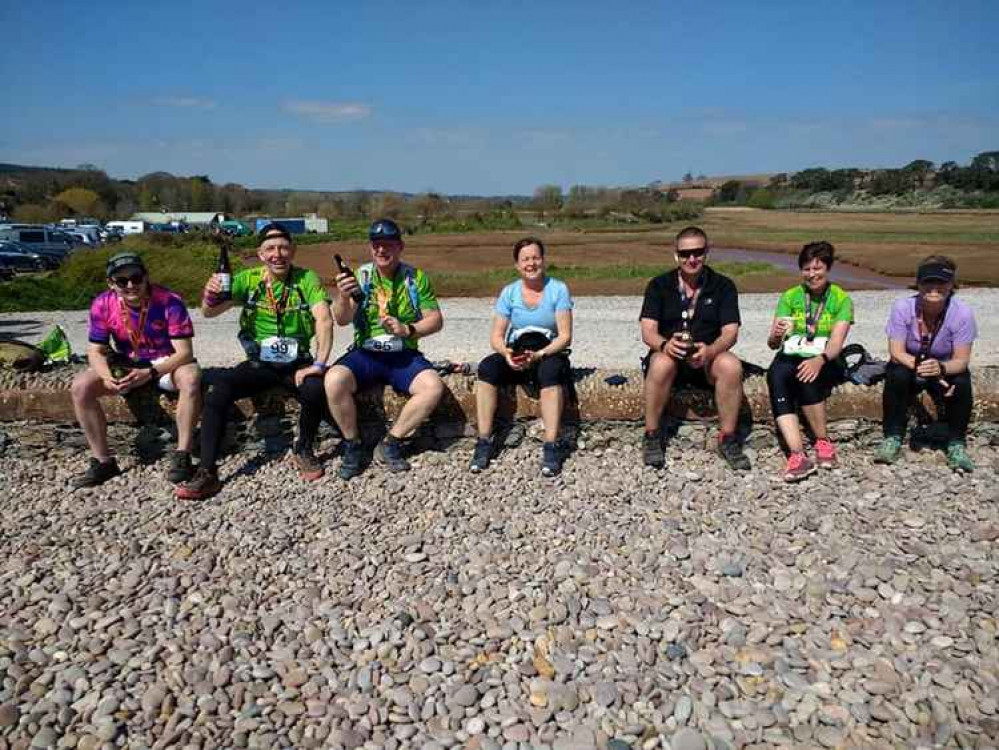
(697, 252)
(134, 279)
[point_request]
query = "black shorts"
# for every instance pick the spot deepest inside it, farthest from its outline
(550, 371)
(686, 376)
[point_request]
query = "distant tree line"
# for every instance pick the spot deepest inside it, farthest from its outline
(918, 182)
(608, 204)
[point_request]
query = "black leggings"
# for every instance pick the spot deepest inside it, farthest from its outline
(248, 379)
(901, 386)
(787, 393)
(554, 370)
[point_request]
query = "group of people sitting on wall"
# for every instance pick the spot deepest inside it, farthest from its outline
(140, 334)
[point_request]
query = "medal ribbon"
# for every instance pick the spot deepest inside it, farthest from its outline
(688, 302)
(927, 337)
(278, 305)
(135, 336)
(812, 322)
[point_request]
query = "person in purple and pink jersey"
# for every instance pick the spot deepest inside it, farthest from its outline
(930, 336)
(140, 334)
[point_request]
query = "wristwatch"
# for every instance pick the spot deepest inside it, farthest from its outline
(154, 374)
(410, 330)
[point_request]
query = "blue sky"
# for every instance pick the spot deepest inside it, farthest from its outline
(494, 97)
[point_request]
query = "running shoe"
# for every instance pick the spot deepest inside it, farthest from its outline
(825, 453)
(958, 458)
(730, 448)
(308, 465)
(202, 485)
(389, 453)
(352, 462)
(181, 468)
(97, 473)
(652, 450)
(551, 460)
(889, 450)
(798, 467)
(482, 456)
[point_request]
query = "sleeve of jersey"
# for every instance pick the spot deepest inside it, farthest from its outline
(563, 301)
(967, 331)
(897, 327)
(652, 304)
(312, 286)
(504, 303)
(784, 306)
(425, 292)
(241, 286)
(179, 325)
(98, 332)
(729, 312)
(844, 313)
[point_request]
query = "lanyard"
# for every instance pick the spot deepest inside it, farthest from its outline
(278, 305)
(688, 302)
(812, 321)
(135, 336)
(926, 338)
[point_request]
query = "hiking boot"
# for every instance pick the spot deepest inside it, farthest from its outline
(825, 453)
(798, 467)
(352, 462)
(97, 473)
(202, 485)
(181, 469)
(652, 450)
(483, 454)
(730, 448)
(308, 465)
(389, 453)
(958, 458)
(551, 460)
(889, 450)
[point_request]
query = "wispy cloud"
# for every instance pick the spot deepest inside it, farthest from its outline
(184, 102)
(328, 112)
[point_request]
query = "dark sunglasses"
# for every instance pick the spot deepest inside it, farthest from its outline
(123, 281)
(697, 252)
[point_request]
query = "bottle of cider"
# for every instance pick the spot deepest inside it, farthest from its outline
(357, 295)
(224, 272)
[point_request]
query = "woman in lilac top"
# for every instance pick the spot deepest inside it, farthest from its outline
(929, 340)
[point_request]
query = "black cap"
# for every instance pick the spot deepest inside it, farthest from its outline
(935, 272)
(384, 229)
(124, 260)
(273, 230)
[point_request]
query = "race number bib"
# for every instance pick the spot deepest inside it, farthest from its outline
(384, 343)
(800, 345)
(279, 349)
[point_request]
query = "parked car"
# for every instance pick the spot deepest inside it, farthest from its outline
(51, 258)
(7, 271)
(40, 239)
(20, 259)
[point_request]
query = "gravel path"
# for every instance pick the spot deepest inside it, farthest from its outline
(613, 607)
(606, 329)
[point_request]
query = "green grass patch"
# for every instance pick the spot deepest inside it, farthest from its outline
(182, 264)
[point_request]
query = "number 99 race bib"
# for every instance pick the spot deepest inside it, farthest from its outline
(279, 349)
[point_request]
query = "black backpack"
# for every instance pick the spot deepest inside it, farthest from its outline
(859, 367)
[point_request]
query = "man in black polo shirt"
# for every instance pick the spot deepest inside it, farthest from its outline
(690, 321)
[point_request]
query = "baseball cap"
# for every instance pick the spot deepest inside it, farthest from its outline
(384, 229)
(273, 230)
(124, 260)
(934, 272)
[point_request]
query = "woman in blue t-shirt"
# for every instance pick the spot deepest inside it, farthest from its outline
(532, 330)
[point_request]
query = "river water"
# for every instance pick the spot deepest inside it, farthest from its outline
(842, 273)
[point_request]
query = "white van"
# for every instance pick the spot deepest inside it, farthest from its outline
(128, 227)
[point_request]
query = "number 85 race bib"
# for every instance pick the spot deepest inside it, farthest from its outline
(279, 349)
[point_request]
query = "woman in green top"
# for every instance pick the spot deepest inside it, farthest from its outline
(809, 329)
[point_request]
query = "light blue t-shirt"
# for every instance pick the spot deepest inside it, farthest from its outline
(510, 305)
